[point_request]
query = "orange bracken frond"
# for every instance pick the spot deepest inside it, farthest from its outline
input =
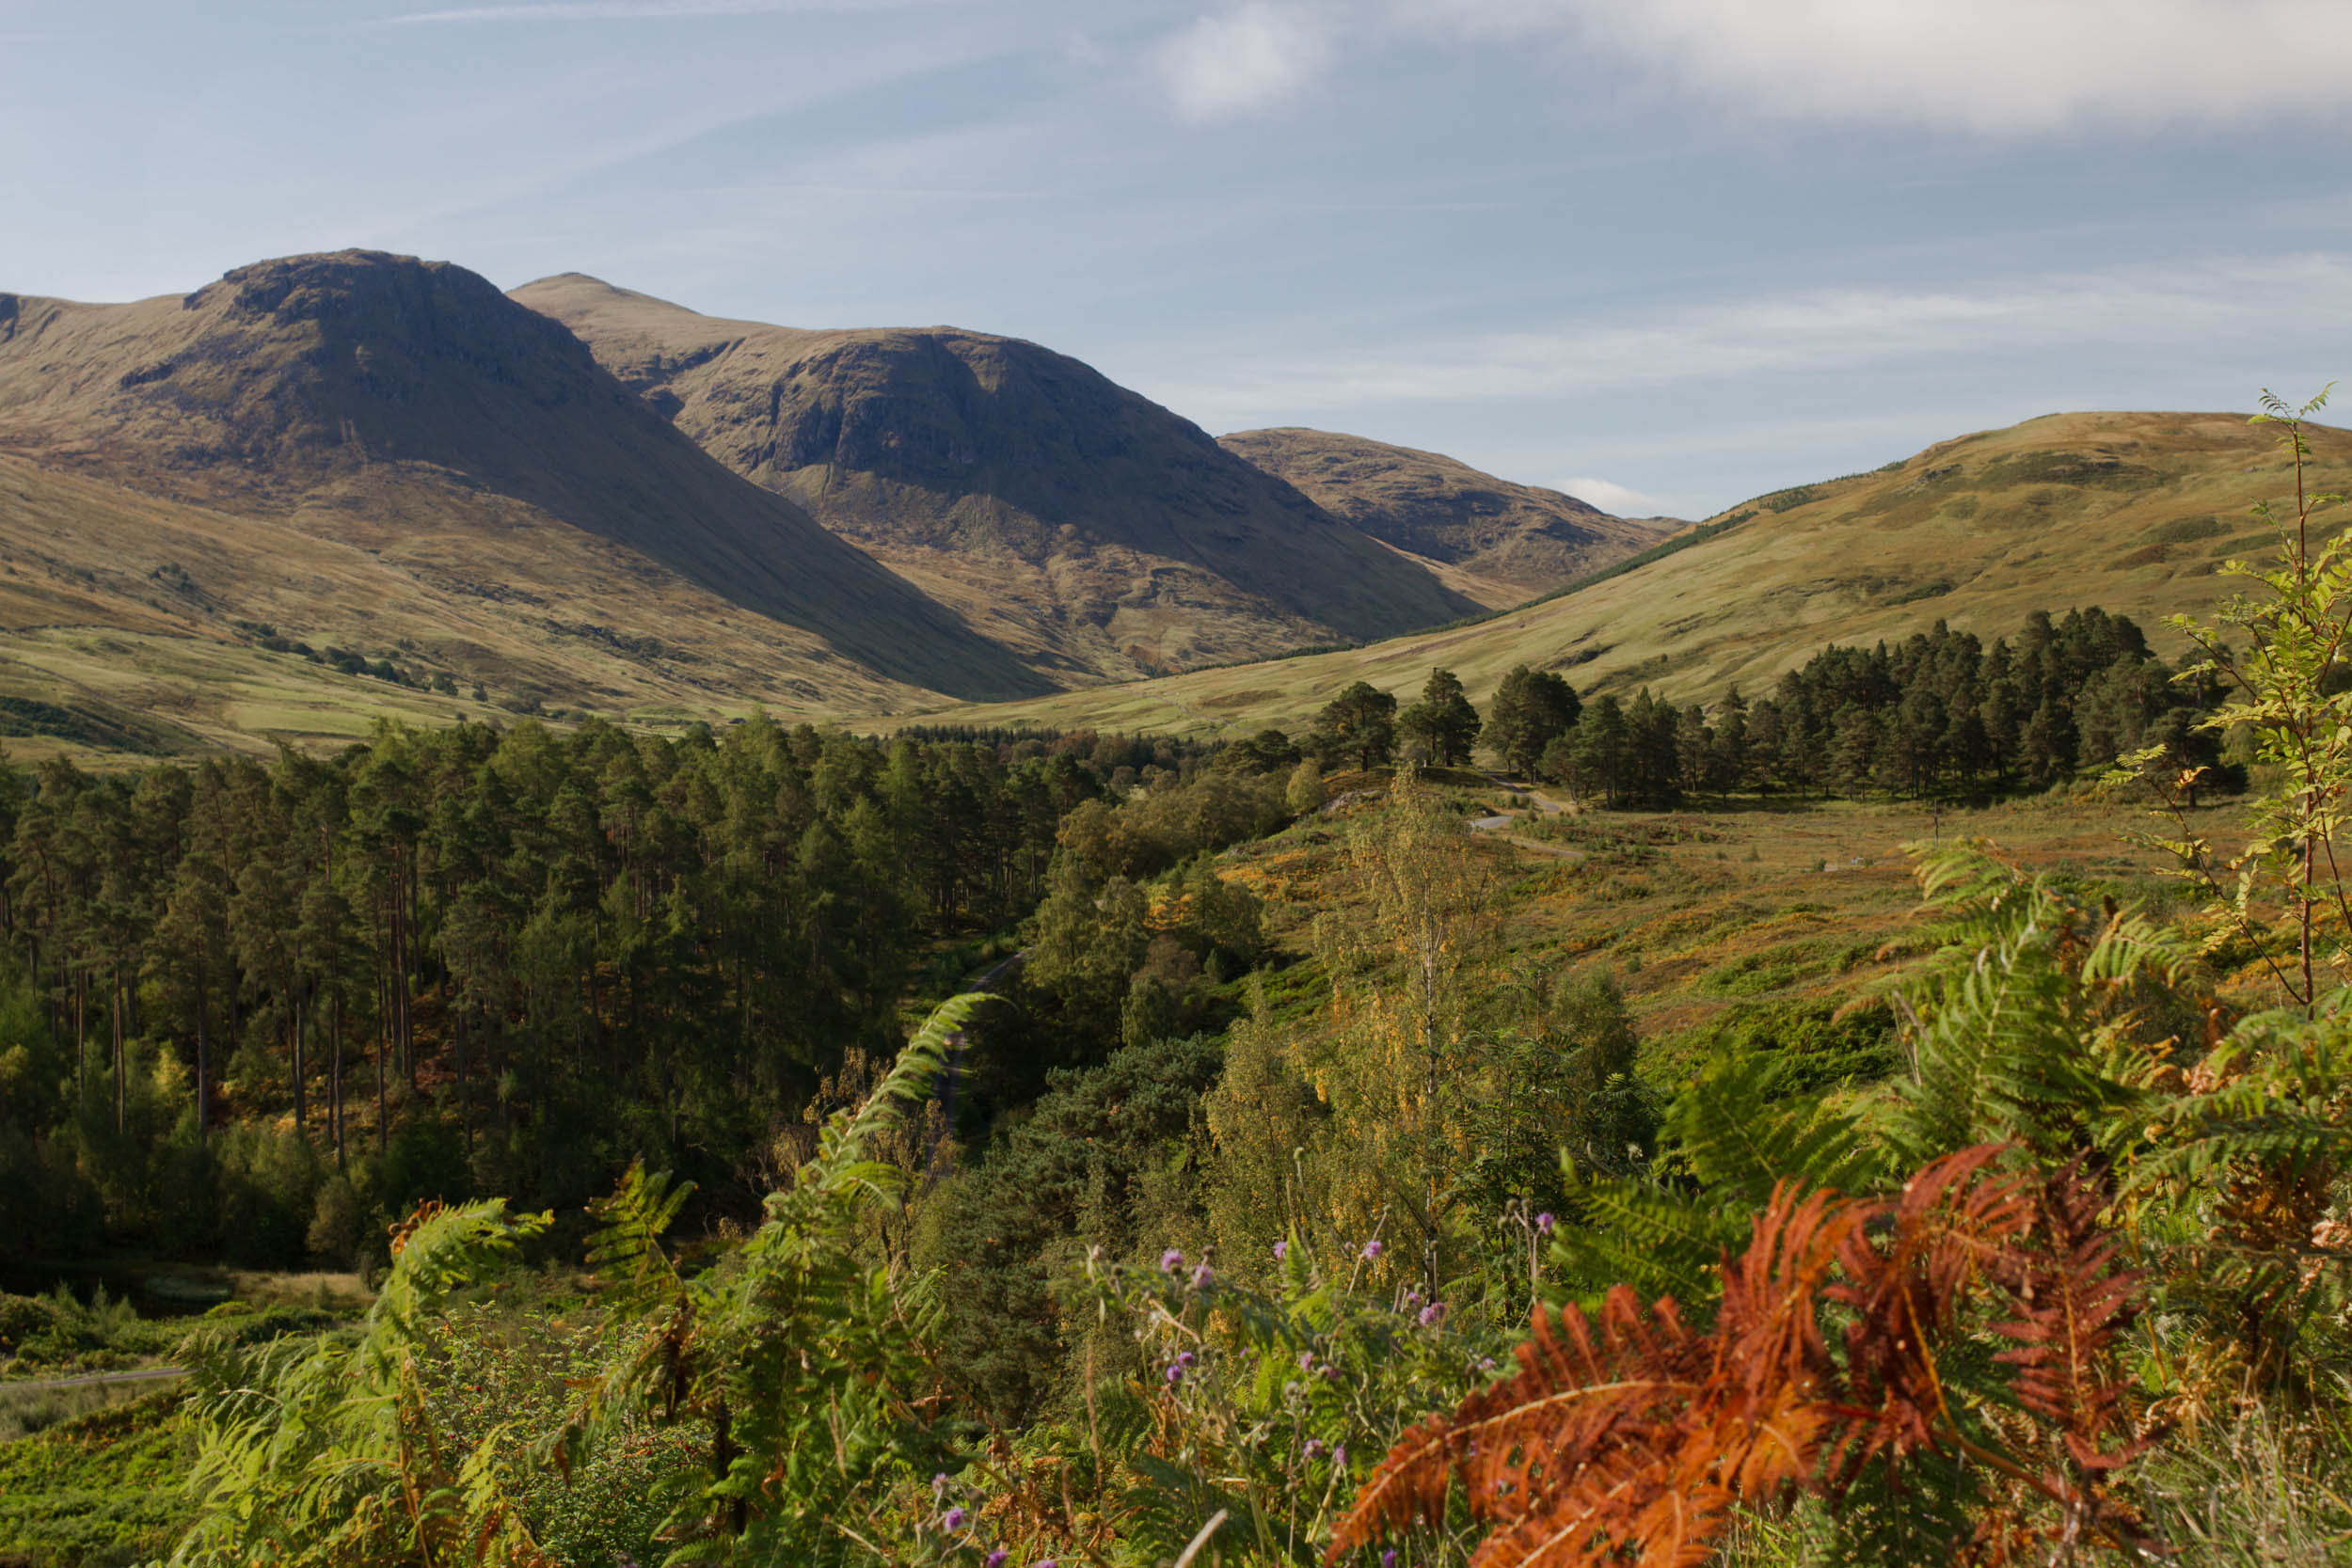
(1644, 1432)
(429, 1209)
(1905, 1290)
(2072, 1304)
(1631, 1438)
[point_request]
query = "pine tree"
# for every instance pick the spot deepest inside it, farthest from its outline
(1359, 726)
(1530, 708)
(1443, 724)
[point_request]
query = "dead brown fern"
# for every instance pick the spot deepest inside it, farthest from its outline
(1633, 1438)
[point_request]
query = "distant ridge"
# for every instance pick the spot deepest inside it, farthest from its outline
(1516, 541)
(2133, 512)
(1076, 521)
(386, 397)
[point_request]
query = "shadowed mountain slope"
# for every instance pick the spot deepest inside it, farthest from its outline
(2133, 512)
(370, 399)
(1515, 540)
(1072, 519)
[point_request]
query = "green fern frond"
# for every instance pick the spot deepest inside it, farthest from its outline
(1741, 1134)
(626, 1247)
(841, 1162)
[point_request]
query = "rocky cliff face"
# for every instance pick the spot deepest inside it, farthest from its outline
(382, 378)
(1073, 517)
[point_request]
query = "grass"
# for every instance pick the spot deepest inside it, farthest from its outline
(120, 611)
(2104, 508)
(131, 614)
(1742, 928)
(69, 1334)
(27, 1411)
(98, 1489)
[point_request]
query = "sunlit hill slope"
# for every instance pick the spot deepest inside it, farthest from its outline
(389, 456)
(1080, 524)
(2127, 511)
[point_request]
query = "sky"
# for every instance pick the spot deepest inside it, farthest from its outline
(1663, 254)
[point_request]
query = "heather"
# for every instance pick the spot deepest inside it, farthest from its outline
(1317, 1149)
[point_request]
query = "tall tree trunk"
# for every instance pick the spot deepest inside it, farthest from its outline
(300, 1105)
(81, 1044)
(48, 997)
(465, 1114)
(121, 1055)
(335, 1071)
(383, 1043)
(203, 1065)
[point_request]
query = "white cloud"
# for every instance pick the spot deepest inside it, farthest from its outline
(1992, 66)
(2133, 310)
(618, 11)
(1612, 497)
(1243, 61)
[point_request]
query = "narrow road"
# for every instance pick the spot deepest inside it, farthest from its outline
(44, 1385)
(987, 979)
(1494, 826)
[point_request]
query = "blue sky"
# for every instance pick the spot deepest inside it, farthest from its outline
(1665, 254)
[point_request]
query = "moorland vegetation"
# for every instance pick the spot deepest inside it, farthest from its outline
(1324, 1157)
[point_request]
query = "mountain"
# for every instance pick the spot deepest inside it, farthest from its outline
(1074, 521)
(1508, 542)
(407, 421)
(2131, 512)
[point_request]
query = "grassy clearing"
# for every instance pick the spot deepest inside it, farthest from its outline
(1741, 927)
(26, 1411)
(98, 1490)
(72, 1333)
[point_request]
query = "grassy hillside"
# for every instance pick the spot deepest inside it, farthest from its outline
(2129, 512)
(1087, 527)
(1510, 542)
(408, 409)
(131, 625)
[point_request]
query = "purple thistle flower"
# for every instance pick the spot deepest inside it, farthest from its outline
(1201, 1276)
(1281, 1250)
(997, 1558)
(1175, 1374)
(1387, 1559)
(1183, 1358)
(1306, 1361)
(1430, 1314)
(954, 1518)
(1171, 1260)
(1371, 1249)
(1339, 1455)
(1543, 1224)
(939, 1483)
(1314, 1448)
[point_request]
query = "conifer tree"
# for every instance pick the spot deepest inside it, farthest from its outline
(1442, 724)
(1530, 708)
(1357, 726)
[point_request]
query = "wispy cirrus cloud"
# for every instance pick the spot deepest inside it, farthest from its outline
(1796, 333)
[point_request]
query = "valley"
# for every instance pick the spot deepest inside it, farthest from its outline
(647, 938)
(2132, 512)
